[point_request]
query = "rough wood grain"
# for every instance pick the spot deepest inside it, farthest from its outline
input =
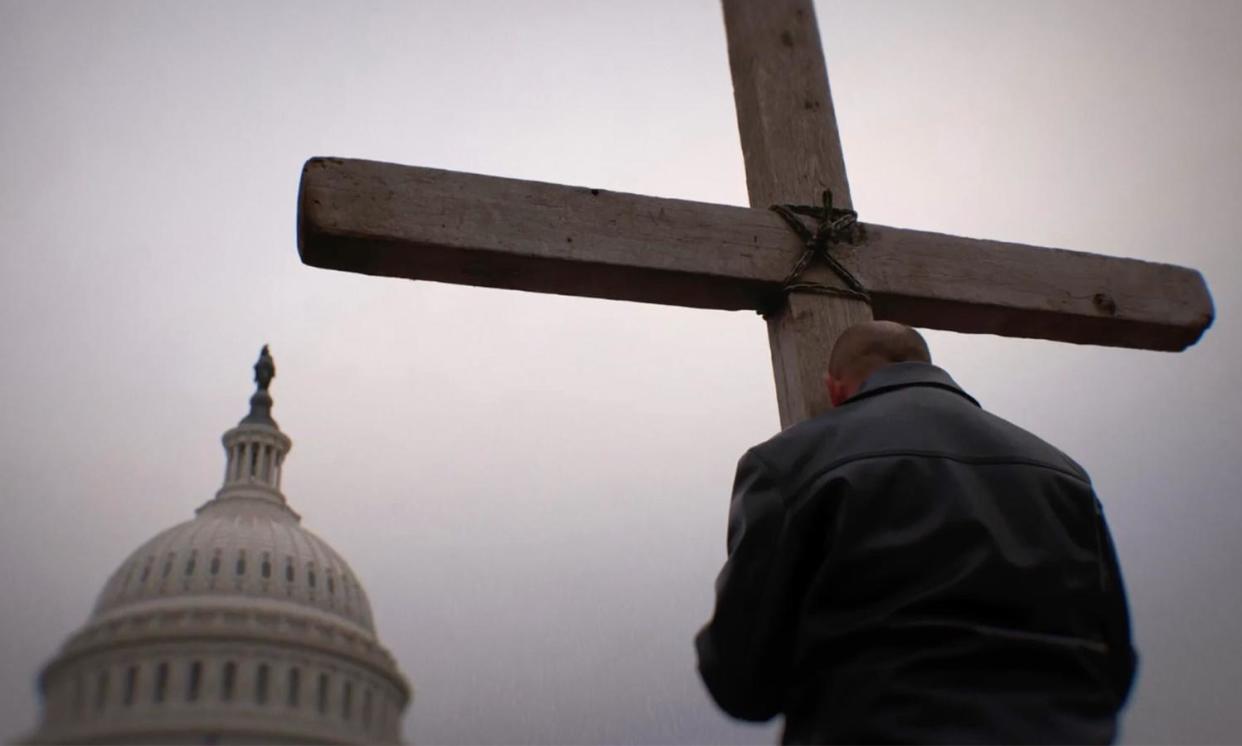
(800, 338)
(785, 116)
(792, 151)
(428, 224)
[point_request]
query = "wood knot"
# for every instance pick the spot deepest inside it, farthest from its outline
(1105, 303)
(787, 38)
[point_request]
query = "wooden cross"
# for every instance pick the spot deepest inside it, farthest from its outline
(429, 224)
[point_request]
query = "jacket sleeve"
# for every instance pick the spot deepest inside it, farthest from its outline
(745, 649)
(1122, 658)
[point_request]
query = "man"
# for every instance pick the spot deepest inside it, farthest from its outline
(910, 568)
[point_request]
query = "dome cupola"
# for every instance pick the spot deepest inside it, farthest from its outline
(256, 448)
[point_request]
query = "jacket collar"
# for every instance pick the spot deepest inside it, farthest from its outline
(903, 375)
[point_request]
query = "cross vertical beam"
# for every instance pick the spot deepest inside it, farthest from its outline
(792, 151)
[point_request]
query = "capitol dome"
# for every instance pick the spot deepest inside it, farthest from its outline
(238, 626)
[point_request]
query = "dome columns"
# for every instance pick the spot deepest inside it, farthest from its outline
(255, 459)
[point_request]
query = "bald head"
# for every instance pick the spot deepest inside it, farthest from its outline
(864, 348)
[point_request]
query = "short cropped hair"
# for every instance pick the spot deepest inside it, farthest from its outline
(865, 347)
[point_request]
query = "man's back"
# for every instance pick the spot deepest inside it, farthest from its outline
(912, 568)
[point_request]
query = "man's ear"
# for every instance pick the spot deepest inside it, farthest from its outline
(837, 390)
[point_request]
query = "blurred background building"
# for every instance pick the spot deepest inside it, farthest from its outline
(236, 626)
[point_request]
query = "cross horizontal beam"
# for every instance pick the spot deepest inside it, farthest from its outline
(429, 224)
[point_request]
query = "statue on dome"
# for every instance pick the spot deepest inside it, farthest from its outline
(265, 369)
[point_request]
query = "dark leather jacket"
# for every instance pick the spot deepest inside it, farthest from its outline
(911, 568)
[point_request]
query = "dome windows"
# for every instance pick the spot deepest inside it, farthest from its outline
(228, 681)
(238, 533)
(217, 686)
(161, 682)
(260, 684)
(131, 685)
(236, 543)
(101, 691)
(322, 699)
(194, 682)
(295, 683)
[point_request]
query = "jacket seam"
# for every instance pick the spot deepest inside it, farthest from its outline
(971, 460)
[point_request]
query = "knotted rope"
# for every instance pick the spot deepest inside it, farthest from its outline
(835, 225)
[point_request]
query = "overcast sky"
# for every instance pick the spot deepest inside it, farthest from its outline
(533, 488)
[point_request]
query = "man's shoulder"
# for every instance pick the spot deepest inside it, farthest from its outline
(908, 422)
(1031, 445)
(852, 428)
(807, 443)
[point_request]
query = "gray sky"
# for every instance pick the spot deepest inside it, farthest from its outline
(533, 488)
